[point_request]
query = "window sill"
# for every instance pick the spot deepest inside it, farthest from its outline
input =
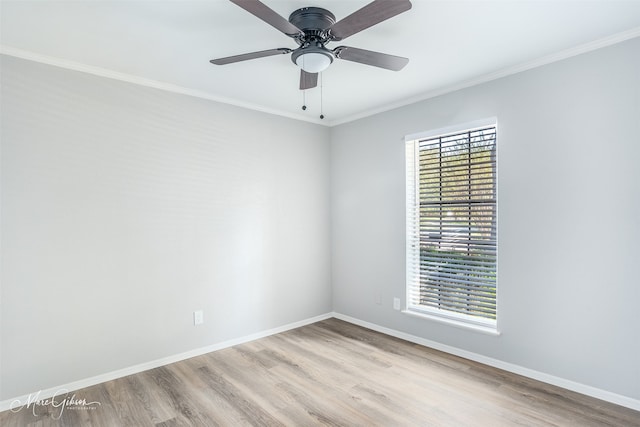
(488, 330)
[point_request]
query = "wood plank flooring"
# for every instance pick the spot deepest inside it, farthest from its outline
(328, 373)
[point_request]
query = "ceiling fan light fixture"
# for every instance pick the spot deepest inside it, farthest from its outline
(312, 59)
(314, 62)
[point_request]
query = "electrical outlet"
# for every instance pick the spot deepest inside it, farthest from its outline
(198, 318)
(396, 303)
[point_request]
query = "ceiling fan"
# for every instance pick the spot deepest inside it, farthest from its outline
(312, 28)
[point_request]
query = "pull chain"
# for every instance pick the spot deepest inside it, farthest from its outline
(304, 91)
(321, 109)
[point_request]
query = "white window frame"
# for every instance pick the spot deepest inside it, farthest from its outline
(489, 326)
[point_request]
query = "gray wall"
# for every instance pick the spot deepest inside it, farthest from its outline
(569, 217)
(125, 208)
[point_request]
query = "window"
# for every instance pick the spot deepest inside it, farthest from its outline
(452, 224)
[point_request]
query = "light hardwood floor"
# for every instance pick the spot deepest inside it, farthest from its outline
(328, 373)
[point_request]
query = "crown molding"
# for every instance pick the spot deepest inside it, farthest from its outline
(545, 60)
(130, 78)
(103, 72)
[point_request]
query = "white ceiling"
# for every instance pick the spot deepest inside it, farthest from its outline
(169, 44)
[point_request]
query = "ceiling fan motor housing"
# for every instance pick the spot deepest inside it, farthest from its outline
(313, 21)
(312, 56)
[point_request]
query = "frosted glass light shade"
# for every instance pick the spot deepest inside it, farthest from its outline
(313, 62)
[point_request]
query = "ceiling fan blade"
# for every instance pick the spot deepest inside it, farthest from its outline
(368, 57)
(308, 80)
(268, 15)
(252, 55)
(372, 14)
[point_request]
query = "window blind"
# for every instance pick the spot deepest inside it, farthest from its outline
(452, 224)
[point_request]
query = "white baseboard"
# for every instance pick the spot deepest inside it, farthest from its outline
(516, 369)
(75, 385)
(510, 367)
